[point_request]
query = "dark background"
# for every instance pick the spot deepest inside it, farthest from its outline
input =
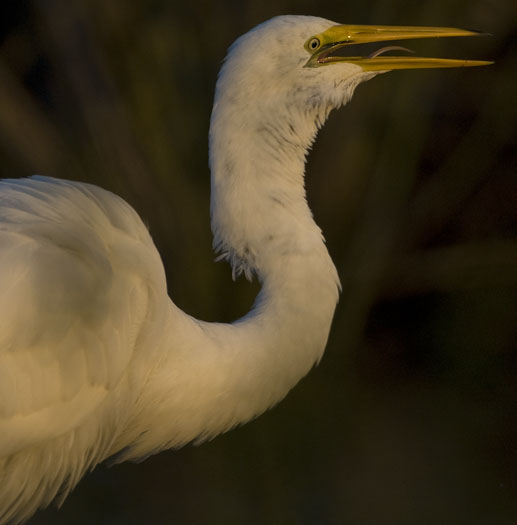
(411, 417)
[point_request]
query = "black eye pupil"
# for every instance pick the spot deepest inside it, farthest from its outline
(314, 44)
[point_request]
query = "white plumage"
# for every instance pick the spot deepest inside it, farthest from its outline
(95, 359)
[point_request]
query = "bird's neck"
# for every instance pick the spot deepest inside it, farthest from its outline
(216, 375)
(259, 209)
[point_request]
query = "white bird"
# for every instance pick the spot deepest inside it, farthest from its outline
(95, 358)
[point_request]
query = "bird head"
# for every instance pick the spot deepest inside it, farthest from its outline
(297, 62)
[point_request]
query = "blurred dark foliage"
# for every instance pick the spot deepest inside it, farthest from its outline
(411, 416)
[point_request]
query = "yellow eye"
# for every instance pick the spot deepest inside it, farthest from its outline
(313, 44)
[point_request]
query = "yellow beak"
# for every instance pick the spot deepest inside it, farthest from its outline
(323, 46)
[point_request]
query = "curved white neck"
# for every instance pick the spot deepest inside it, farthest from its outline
(215, 376)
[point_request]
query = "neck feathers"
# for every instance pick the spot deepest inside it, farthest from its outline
(257, 160)
(215, 376)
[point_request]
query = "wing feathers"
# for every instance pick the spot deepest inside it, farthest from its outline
(76, 264)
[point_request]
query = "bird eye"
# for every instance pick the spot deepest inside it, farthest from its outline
(313, 44)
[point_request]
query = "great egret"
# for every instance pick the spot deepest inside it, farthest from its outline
(95, 359)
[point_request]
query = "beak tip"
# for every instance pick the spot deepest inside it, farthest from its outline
(475, 32)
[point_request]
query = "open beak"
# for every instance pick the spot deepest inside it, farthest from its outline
(324, 46)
